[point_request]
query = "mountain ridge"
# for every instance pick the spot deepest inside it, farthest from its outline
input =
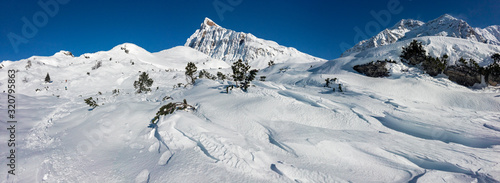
(445, 25)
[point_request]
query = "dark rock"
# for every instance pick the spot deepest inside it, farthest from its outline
(463, 75)
(373, 69)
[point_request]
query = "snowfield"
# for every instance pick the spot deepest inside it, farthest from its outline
(409, 127)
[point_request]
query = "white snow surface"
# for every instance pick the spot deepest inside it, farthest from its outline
(406, 128)
(230, 46)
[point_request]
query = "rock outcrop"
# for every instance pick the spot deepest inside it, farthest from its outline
(373, 69)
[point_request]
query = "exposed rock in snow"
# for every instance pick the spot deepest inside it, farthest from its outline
(373, 69)
(463, 75)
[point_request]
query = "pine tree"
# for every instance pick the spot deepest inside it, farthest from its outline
(249, 78)
(239, 70)
(47, 78)
(496, 58)
(190, 70)
(433, 66)
(413, 54)
(144, 83)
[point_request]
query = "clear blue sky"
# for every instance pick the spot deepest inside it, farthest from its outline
(314, 27)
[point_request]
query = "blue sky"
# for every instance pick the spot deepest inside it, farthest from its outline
(319, 28)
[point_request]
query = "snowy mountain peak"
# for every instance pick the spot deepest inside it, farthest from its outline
(129, 48)
(445, 25)
(230, 46)
(387, 36)
(490, 33)
(447, 20)
(409, 24)
(208, 23)
(449, 26)
(448, 17)
(63, 53)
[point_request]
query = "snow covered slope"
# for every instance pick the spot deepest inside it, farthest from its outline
(446, 25)
(290, 128)
(228, 45)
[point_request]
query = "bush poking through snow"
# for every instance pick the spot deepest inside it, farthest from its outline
(166, 98)
(204, 74)
(248, 79)
(97, 65)
(28, 65)
(190, 70)
(221, 76)
(91, 102)
(143, 84)
(271, 63)
(328, 81)
(178, 85)
(434, 66)
(169, 109)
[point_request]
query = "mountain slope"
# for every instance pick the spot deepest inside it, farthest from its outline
(228, 45)
(446, 25)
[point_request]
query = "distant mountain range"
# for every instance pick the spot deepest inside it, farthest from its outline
(230, 46)
(446, 25)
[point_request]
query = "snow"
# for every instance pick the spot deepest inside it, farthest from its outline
(409, 127)
(491, 33)
(230, 46)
